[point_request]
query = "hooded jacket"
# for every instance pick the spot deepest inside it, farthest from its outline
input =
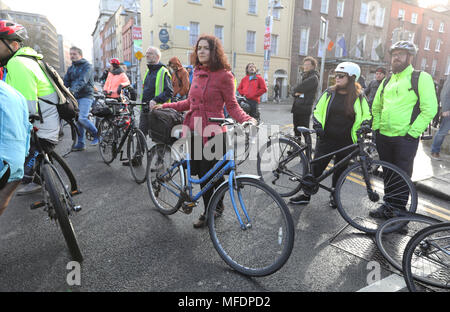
(116, 78)
(80, 79)
(180, 78)
(27, 77)
(308, 87)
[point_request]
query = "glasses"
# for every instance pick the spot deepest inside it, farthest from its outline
(341, 76)
(398, 55)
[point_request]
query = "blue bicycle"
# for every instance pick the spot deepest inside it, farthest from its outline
(249, 223)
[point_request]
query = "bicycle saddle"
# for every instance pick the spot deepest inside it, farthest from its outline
(305, 130)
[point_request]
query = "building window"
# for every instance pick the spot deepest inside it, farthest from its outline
(375, 44)
(324, 6)
(339, 52)
(430, 25)
(414, 17)
(340, 8)
(218, 32)
(252, 6)
(438, 46)
(274, 45)
(433, 67)
(423, 65)
(307, 4)
(196, 1)
(251, 41)
(401, 14)
(194, 30)
(427, 43)
(219, 3)
(360, 46)
(165, 2)
(276, 14)
(151, 7)
(304, 41)
(364, 15)
(380, 17)
(447, 72)
(441, 27)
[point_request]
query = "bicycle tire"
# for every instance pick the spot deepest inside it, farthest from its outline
(138, 151)
(268, 241)
(391, 245)
(276, 176)
(108, 141)
(440, 276)
(56, 193)
(164, 200)
(69, 176)
(351, 184)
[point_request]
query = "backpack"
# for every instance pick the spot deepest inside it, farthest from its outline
(68, 104)
(415, 86)
(161, 122)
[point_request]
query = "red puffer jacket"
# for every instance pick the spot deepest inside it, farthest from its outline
(210, 92)
(252, 89)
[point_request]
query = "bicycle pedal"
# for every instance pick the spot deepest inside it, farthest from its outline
(77, 208)
(37, 205)
(187, 208)
(76, 192)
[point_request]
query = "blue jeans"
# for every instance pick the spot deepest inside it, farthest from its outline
(84, 104)
(440, 136)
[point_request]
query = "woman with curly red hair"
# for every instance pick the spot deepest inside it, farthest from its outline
(212, 88)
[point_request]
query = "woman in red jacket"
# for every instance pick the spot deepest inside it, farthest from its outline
(212, 88)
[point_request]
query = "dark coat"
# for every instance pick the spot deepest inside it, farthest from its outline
(371, 91)
(80, 79)
(149, 86)
(308, 87)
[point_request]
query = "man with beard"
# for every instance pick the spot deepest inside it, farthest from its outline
(252, 86)
(305, 95)
(400, 116)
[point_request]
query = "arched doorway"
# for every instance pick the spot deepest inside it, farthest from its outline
(281, 78)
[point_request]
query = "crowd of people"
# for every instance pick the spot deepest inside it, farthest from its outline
(207, 88)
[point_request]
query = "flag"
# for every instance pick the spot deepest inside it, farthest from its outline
(341, 44)
(379, 51)
(330, 46)
(360, 46)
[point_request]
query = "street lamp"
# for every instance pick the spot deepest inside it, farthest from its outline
(274, 5)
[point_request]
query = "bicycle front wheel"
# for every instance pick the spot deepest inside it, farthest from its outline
(427, 257)
(64, 171)
(392, 244)
(108, 141)
(360, 192)
(265, 242)
(137, 153)
(165, 179)
(58, 202)
(281, 166)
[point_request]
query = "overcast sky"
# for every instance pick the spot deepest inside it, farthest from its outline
(75, 20)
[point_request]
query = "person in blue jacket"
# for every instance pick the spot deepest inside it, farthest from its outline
(80, 81)
(14, 141)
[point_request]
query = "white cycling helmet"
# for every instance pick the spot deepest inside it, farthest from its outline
(350, 69)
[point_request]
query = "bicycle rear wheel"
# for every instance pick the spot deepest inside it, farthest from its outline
(137, 153)
(390, 185)
(59, 203)
(266, 243)
(108, 141)
(427, 257)
(391, 245)
(165, 180)
(64, 171)
(279, 169)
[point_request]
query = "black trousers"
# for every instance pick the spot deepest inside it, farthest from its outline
(324, 147)
(254, 109)
(200, 167)
(302, 119)
(400, 152)
(30, 160)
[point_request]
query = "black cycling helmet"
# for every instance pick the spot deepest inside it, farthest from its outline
(404, 45)
(12, 31)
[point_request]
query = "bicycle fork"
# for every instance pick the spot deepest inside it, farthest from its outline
(233, 185)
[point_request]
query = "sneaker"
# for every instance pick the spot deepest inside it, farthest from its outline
(78, 148)
(29, 188)
(95, 141)
(300, 200)
(380, 213)
(201, 222)
(436, 156)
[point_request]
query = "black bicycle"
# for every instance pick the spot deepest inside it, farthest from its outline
(115, 128)
(362, 187)
(58, 186)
